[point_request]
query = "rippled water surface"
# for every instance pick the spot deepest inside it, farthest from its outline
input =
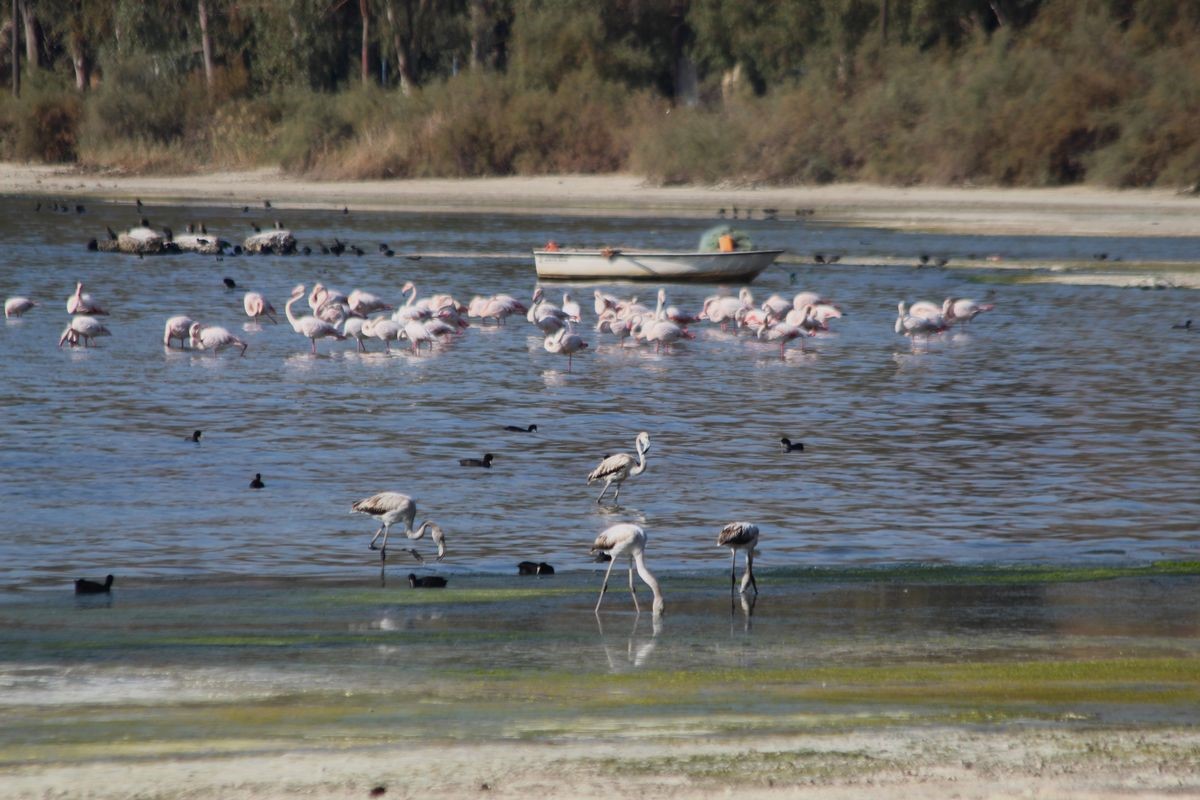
(1062, 427)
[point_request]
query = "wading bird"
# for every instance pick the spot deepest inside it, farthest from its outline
(80, 303)
(392, 507)
(740, 536)
(177, 328)
(627, 540)
(309, 327)
(213, 337)
(616, 468)
(565, 342)
(16, 306)
(257, 306)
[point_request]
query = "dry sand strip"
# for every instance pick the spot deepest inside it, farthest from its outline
(1072, 210)
(925, 762)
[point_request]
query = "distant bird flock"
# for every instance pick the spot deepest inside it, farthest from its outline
(373, 322)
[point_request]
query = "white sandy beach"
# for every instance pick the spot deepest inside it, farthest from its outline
(1067, 211)
(894, 763)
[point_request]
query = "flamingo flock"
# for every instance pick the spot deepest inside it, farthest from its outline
(425, 322)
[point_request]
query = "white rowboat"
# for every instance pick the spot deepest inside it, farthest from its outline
(609, 263)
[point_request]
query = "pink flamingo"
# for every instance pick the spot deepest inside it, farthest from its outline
(83, 327)
(309, 327)
(213, 337)
(257, 306)
(177, 328)
(80, 303)
(629, 540)
(964, 310)
(565, 342)
(16, 306)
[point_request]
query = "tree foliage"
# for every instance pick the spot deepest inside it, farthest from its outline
(1006, 91)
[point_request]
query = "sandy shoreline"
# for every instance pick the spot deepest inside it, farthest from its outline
(1062, 211)
(928, 762)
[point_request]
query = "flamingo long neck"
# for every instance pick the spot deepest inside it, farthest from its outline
(641, 466)
(288, 310)
(412, 297)
(639, 561)
(662, 298)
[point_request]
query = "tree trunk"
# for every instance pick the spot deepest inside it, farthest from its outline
(79, 61)
(478, 21)
(366, 41)
(31, 35)
(16, 54)
(883, 20)
(206, 44)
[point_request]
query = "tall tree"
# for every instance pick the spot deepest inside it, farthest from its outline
(206, 47)
(366, 41)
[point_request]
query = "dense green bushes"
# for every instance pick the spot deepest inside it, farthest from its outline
(1075, 93)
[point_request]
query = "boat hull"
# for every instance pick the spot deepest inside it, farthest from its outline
(640, 265)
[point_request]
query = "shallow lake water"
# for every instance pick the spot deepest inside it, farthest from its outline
(1060, 427)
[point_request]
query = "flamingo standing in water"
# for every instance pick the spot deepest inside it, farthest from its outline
(309, 327)
(392, 507)
(384, 329)
(81, 327)
(740, 536)
(257, 306)
(964, 310)
(80, 303)
(212, 337)
(782, 332)
(177, 328)
(617, 468)
(16, 306)
(913, 326)
(629, 540)
(565, 342)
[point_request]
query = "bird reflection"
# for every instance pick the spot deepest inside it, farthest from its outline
(747, 604)
(636, 652)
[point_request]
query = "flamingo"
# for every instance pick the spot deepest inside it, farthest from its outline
(384, 329)
(548, 317)
(605, 301)
(364, 303)
(257, 306)
(16, 306)
(776, 306)
(353, 327)
(914, 326)
(571, 308)
(86, 328)
(309, 327)
(626, 539)
(782, 332)
(417, 334)
(721, 310)
(565, 342)
(392, 507)
(498, 307)
(321, 294)
(662, 332)
(930, 310)
(964, 310)
(617, 468)
(803, 299)
(212, 337)
(177, 328)
(740, 536)
(80, 303)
